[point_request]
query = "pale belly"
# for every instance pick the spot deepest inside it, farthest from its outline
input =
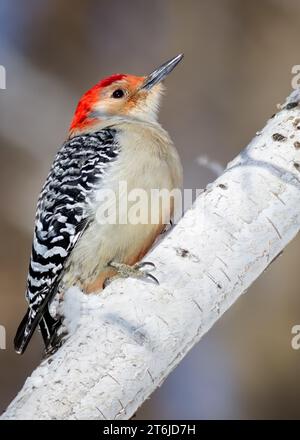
(125, 239)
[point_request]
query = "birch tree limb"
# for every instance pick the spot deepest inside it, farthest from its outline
(125, 341)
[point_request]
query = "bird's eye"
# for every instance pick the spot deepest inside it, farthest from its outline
(119, 93)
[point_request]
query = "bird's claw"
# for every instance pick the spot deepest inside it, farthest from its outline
(136, 271)
(147, 274)
(152, 277)
(145, 264)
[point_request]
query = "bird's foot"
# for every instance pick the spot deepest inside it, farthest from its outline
(139, 270)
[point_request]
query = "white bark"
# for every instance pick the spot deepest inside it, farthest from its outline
(127, 340)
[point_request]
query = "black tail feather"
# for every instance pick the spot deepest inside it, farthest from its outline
(48, 326)
(20, 341)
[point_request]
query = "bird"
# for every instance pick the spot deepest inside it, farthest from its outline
(114, 138)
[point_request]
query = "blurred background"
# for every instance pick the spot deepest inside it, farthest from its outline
(237, 67)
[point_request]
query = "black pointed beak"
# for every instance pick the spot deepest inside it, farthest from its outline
(159, 74)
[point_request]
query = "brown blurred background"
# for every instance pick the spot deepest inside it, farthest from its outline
(237, 66)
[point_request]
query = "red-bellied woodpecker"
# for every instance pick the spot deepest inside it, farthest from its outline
(114, 137)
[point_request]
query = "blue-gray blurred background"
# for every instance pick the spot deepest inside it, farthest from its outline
(237, 67)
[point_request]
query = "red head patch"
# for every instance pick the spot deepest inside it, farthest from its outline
(85, 105)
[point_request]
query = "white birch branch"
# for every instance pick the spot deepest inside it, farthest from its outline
(127, 340)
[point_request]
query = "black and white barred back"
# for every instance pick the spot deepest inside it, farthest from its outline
(62, 216)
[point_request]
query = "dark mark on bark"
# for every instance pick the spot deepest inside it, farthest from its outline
(278, 137)
(109, 375)
(163, 320)
(277, 197)
(274, 227)
(297, 166)
(213, 280)
(291, 105)
(151, 377)
(182, 252)
(222, 261)
(223, 186)
(197, 305)
(105, 418)
(224, 273)
(297, 145)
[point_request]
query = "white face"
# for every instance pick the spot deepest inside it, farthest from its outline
(147, 107)
(133, 102)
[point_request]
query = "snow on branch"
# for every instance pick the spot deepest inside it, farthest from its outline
(126, 340)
